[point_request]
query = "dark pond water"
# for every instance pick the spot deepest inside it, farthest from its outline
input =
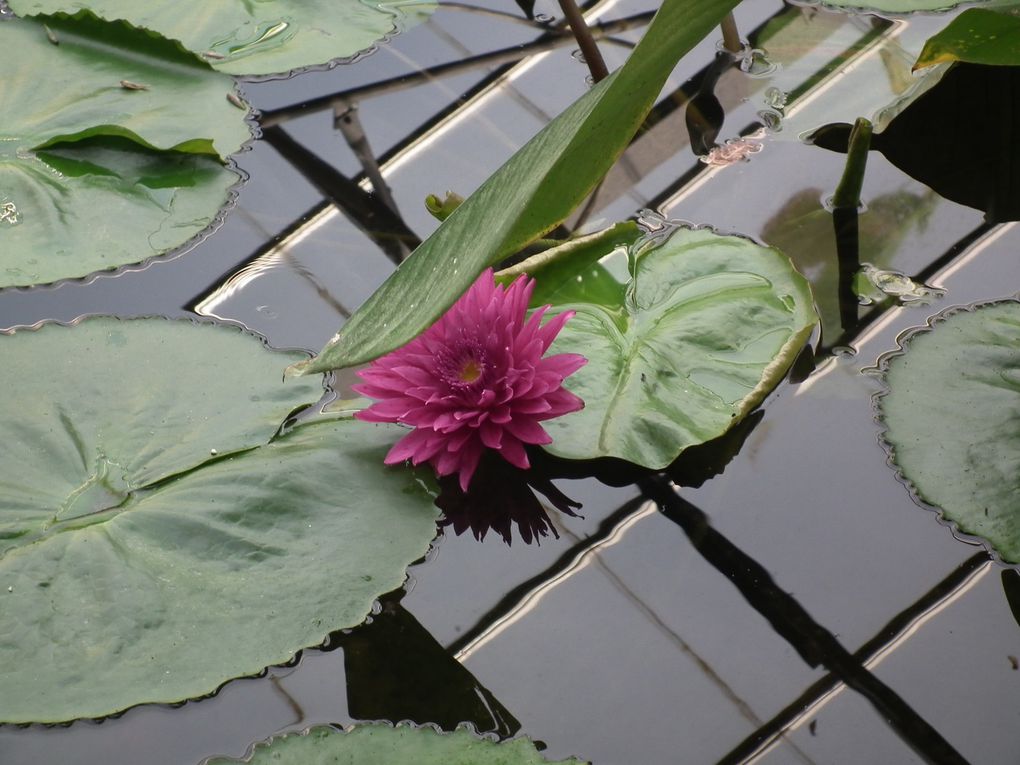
(621, 642)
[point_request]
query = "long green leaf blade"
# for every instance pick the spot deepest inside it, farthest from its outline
(977, 36)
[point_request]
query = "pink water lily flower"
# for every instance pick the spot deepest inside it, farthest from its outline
(474, 380)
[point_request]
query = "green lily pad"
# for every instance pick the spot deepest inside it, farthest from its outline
(376, 744)
(895, 7)
(707, 326)
(95, 175)
(256, 37)
(74, 209)
(156, 538)
(977, 36)
(952, 418)
(84, 85)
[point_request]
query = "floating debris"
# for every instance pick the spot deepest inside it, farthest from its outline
(9, 213)
(236, 101)
(51, 35)
(733, 151)
(214, 55)
(129, 85)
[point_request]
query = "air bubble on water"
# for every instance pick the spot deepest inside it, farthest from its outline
(544, 18)
(773, 121)
(754, 62)
(776, 98)
(578, 56)
(844, 352)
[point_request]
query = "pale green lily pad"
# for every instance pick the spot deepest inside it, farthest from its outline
(156, 538)
(256, 37)
(708, 326)
(386, 745)
(106, 192)
(952, 418)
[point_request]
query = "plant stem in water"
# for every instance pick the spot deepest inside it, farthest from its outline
(848, 192)
(730, 35)
(590, 51)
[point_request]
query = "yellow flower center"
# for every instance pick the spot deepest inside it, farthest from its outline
(470, 371)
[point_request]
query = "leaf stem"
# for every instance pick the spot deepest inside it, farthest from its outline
(730, 35)
(590, 51)
(848, 192)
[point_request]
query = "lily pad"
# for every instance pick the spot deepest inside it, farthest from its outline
(706, 326)
(256, 37)
(156, 538)
(111, 79)
(93, 174)
(75, 209)
(894, 7)
(374, 744)
(952, 418)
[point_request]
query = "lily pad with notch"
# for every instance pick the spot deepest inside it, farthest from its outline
(701, 328)
(377, 743)
(951, 413)
(159, 535)
(93, 174)
(253, 37)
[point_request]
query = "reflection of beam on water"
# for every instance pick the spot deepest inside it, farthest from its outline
(274, 255)
(482, 120)
(523, 599)
(987, 236)
(890, 637)
(553, 40)
(381, 224)
(505, 15)
(815, 644)
(706, 669)
(482, 99)
(346, 120)
(291, 702)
